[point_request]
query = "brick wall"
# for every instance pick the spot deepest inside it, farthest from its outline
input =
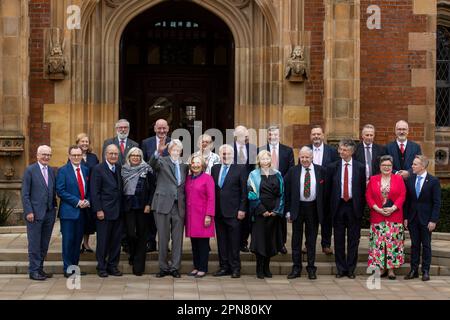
(314, 18)
(41, 90)
(386, 65)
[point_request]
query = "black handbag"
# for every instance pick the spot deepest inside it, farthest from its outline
(389, 203)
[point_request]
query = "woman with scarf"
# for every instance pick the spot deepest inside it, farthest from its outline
(138, 189)
(266, 195)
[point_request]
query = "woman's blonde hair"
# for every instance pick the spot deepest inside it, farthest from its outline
(202, 161)
(81, 136)
(262, 154)
(134, 150)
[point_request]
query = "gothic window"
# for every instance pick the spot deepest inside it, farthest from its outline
(443, 77)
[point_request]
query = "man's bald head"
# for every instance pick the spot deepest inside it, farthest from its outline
(161, 128)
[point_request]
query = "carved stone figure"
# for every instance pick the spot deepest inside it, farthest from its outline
(55, 61)
(296, 67)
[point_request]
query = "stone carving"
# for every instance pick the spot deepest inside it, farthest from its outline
(113, 3)
(296, 67)
(55, 60)
(10, 147)
(240, 3)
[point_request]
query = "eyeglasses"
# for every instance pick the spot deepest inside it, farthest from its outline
(48, 155)
(122, 127)
(76, 155)
(135, 155)
(386, 165)
(113, 153)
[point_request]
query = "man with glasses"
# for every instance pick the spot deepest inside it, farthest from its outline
(39, 210)
(72, 189)
(106, 195)
(121, 140)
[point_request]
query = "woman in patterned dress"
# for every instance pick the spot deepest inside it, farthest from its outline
(385, 195)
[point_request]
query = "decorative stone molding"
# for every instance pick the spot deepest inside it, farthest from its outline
(296, 66)
(55, 61)
(240, 3)
(114, 3)
(11, 146)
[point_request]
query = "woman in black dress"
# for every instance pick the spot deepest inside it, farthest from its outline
(265, 192)
(89, 160)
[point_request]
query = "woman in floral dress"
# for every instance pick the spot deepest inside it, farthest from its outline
(385, 195)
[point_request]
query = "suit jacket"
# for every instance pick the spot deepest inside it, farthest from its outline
(149, 147)
(377, 152)
(427, 207)
(252, 152)
(37, 197)
(167, 190)
(330, 154)
(358, 187)
(412, 149)
(233, 195)
(106, 191)
(285, 157)
(91, 160)
(292, 191)
(130, 144)
(68, 191)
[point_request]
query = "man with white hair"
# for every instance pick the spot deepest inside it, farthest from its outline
(403, 150)
(121, 140)
(39, 210)
(304, 204)
(368, 153)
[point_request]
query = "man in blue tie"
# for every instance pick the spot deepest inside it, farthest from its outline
(422, 213)
(231, 202)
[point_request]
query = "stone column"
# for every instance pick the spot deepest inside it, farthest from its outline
(341, 69)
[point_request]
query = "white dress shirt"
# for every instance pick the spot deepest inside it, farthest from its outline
(404, 144)
(350, 176)
(318, 154)
(312, 195)
(81, 173)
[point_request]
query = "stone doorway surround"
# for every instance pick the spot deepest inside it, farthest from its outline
(264, 33)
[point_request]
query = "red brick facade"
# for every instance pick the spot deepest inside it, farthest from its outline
(386, 65)
(41, 90)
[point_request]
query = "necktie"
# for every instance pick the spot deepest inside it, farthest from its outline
(274, 158)
(241, 155)
(402, 148)
(316, 159)
(177, 173)
(113, 169)
(307, 185)
(45, 174)
(346, 194)
(80, 184)
(419, 178)
(122, 146)
(222, 177)
(369, 161)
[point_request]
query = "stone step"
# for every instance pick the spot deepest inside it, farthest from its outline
(248, 268)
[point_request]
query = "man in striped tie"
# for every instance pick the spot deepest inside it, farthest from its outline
(304, 198)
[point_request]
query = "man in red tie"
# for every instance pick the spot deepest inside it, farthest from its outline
(121, 140)
(72, 188)
(347, 198)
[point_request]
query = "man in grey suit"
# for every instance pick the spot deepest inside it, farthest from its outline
(121, 140)
(39, 210)
(169, 205)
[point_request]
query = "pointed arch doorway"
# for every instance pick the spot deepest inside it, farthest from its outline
(176, 63)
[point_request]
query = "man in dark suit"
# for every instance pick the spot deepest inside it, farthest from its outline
(347, 199)
(106, 195)
(369, 153)
(422, 214)
(244, 154)
(304, 201)
(231, 206)
(72, 188)
(402, 150)
(39, 203)
(323, 155)
(169, 205)
(122, 142)
(149, 146)
(282, 160)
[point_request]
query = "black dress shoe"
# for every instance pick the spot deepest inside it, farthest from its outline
(151, 247)
(236, 274)
(138, 274)
(115, 272)
(411, 275)
(84, 249)
(384, 274)
(283, 250)
(294, 274)
(244, 249)
(45, 274)
(351, 275)
(426, 276)
(340, 275)
(221, 273)
(102, 273)
(312, 275)
(162, 274)
(37, 276)
(175, 274)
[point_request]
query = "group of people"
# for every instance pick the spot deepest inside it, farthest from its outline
(145, 198)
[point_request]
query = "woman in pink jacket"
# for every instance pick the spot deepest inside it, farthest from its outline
(200, 208)
(385, 195)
